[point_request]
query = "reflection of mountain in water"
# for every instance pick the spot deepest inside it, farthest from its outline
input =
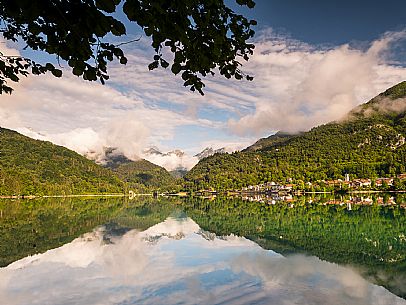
(140, 244)
(198, 268)
(173, 227)
(368, 238)
(47, 223)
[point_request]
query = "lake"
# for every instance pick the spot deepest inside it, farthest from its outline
(252, 250)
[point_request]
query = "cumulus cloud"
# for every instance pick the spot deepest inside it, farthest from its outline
(299, 86)
(87, 141)
(128, 136)
(171, 161)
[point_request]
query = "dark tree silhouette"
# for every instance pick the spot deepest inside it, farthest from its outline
(204, 35)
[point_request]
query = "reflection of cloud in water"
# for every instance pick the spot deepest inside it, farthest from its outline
(182, 264)
(300, 279)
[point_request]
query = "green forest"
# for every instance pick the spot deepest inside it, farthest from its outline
(144, 176)
(34, 167)
(368, 143)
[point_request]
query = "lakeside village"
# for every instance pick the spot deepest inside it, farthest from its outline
(352, 192)
(395, 184)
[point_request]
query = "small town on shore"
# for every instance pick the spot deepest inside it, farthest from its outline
(367, 184)
(346, 185)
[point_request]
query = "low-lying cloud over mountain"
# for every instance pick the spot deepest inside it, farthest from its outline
(300, 86)
(296, 86)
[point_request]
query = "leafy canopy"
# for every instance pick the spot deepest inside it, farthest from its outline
(203, 35)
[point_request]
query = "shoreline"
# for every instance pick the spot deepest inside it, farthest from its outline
(62, 196)
(185, 194)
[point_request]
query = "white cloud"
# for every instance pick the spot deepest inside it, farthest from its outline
(284, 280)
(172, 161)
(298, 86)
(87, 116)
(187, 159)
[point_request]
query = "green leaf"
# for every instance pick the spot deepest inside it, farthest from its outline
(123, 60)
(164, 63)
(49, 66)
(118, 28)
(90, 74)
(56, 72)
(153, 65)
(78, 71)
(176, 68)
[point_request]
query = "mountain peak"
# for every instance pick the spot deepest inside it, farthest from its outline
(155, 151)
(209, 151)
(152, 151)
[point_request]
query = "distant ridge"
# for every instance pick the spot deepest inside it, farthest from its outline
(145, 176)
(138, 175)
(278, 138)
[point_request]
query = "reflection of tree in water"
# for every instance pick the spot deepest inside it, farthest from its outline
(35, 226)
(330, 198)
(369, 238)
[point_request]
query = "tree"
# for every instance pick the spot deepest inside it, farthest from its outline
(204, 36)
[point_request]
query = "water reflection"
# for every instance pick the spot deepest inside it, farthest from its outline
(177, 262)
(385, 199)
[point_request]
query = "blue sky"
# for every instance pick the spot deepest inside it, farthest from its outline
(332, 21)
(314, 61)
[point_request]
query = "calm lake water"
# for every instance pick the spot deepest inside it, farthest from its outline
(202, 251)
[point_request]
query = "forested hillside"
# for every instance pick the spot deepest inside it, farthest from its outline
(369, 142)
(33, 167)
(144, 176)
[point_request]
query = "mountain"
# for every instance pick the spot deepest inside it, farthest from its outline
(368, 142)
(152, 151)
(176, 161)
(143, 176)
(179, 172)
(155, 151)
(111, 158)
(138, 175)
(274, 140)
(34, 167)
(209, 151)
